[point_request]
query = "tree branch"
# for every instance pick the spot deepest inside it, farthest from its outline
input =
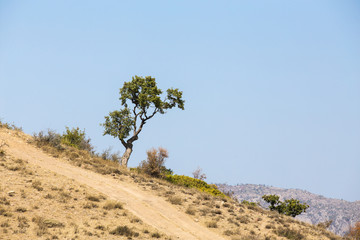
(135, 118)
(155, 111)
(123, 142)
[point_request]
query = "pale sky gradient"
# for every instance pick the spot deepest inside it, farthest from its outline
(272, 88)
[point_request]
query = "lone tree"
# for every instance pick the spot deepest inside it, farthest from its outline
(144, 97)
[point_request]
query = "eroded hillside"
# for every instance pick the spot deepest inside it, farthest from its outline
(67, 194)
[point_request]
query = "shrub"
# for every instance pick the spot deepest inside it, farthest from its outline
(254, 204)
(291, 207)
(228, 232)
(124, 231)
(10, 126)
(2, 151)
(194, 183)
(289, 233)
(156, 235)
(107, 155)
(50, 138)
(325, 225)
(113, 205)
(21, 209)
(198, 174)
(76, 138)
(175, 200)
(154, 165)
(37, 185)
(93, 198)
(211, 224)
(354, 231)
(3, 200)
(190, 211)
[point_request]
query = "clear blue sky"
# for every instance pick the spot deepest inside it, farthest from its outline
(272, 88)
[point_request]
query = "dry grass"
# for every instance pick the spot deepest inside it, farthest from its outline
(48, 206)
(78, 212)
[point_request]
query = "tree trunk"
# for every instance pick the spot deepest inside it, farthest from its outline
(125, 157)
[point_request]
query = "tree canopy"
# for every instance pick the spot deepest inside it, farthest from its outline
(141, 99)
(290, 207)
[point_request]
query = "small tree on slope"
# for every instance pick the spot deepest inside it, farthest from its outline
(291, 207)
(144, 97)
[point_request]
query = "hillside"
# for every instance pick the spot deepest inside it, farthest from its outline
(46, 193)
(341, 212)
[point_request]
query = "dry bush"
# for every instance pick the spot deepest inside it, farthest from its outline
(211, 224)
(3, 200)
(2, 151)
(113, 205)
(108, 155)
(51, 138)
(198, 174)
(37, 185)
(325, 225)
(44, 224)
(156, 235)
(175, 200)
(154, 165)
(23, 224)
(354, 231)
(21, 209)
(90, 205)
(124, 231)
(243, 219)
(10, 126)
(95, 198)
(289, 233)
(228, 232)
(190, 211)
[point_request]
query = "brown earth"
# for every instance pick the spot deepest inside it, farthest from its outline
(60, 192)
(151, 209)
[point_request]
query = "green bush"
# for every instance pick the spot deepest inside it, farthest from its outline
(76, 138)
(254, 204)
(194, 183)
(291, 207)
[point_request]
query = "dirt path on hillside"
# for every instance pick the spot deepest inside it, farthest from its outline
(151, 209)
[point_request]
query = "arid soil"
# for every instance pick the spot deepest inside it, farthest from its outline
(151, 209)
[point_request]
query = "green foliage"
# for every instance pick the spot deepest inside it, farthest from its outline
(145, 99)
(249, 203)
(119, 123)
(76, 138)
(291, 207)
(194, 183)
(273, 200)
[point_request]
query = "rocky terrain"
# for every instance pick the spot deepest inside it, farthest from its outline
(341, 212)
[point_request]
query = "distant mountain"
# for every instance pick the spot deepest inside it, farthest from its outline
(341, 212)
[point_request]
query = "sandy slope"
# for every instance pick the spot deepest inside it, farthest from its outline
(151, 209)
